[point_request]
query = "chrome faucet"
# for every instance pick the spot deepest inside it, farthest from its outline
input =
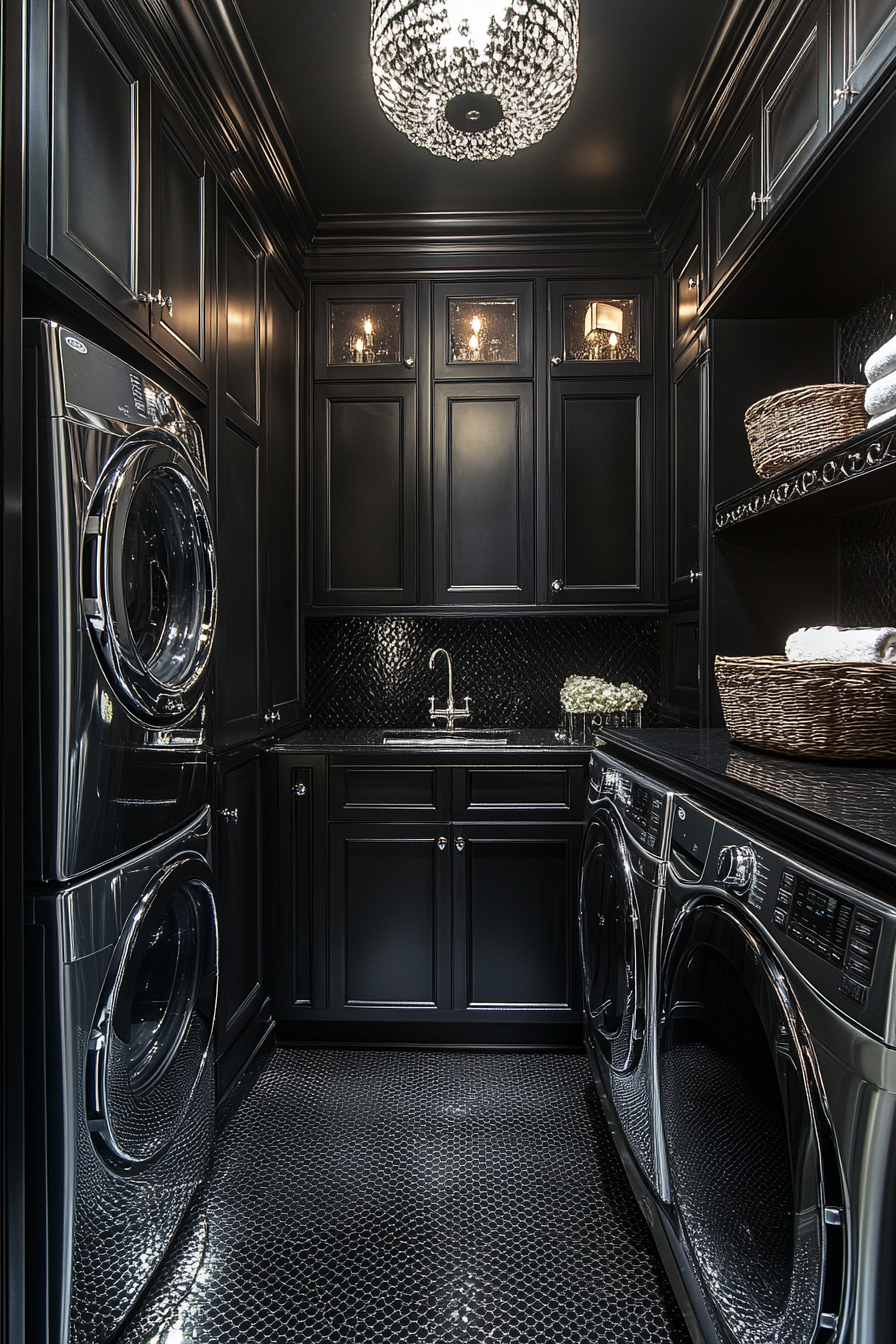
(449, 713)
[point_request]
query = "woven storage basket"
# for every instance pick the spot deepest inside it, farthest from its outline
(830, 711)
(792, 426)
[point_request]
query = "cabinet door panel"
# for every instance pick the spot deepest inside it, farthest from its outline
(100, 159)
(602, 489)
(237, 707)
(238, 898)
(484, 494)
(733, 190)
(389, 913)
(869, 28)
(179, 242)
(241, 304)
(514, 917)
(687, 418)
(796, 97)
(365, 495)
(282, 496)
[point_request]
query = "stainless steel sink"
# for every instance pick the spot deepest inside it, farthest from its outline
(444, 737)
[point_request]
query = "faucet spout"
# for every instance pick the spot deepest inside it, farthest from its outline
(449, 713)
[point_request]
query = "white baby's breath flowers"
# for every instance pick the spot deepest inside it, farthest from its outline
(594, 695)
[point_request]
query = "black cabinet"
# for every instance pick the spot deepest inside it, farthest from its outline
(484, 494)
(864, 34)
(687, 479)
(450, 895)
(601, 328)
(733, 196)
(98, 160)
(182, 216)
(687, 288)
(796, 103)
(243, 1016)
(602, 490)
(257, 492)
(365, 332)
(365, 494)
(482, 330)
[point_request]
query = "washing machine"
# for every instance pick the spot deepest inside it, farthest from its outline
(122, 987)
(776, 1057)
(120, 607)
(623, 856)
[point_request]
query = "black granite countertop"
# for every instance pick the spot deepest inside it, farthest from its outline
(531, 741)
(848, 811)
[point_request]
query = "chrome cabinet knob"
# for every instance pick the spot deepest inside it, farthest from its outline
(229, 814)
(555, 360)
(695, 574)
(442, 842)
(557, 586)
(410, 361)
(692, 282)
(159, 300)
(736, 867)
(272, 716)
(459, 844)
(300, 790)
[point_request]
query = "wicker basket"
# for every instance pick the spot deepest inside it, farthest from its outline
(792, 426)
(830, 711)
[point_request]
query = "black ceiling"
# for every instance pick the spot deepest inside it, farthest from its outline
(637, 59)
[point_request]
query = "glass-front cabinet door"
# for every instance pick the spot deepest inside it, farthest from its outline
(482, 330)
(365, 332)
(603, 327)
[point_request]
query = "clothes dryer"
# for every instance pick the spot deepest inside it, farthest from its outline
(121, 602)
(776, 1051)
(626, 825)
(122, 983)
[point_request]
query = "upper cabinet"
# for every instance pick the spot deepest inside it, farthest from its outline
(365, 332)
(796, 103)
(733, 192)
(864, 39)
(119, 190)
(687, 285)
(603, 328)
(482, 331)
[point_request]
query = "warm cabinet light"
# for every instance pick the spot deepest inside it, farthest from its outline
(604, 324)
(474, 79)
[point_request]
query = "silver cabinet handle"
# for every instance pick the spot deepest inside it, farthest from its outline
(158, 298)
(442, 842)
(300, 790)
(272, 716)
(693, 282)
(555, 360)
(459, 844)
(844, 95)
(229, 814)
(755, 200)
(410, 361)
(557, 586)
(695, 574)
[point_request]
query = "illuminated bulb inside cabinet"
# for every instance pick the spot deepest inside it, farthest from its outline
(604, 323)
(476, 324)
(474, 346)
(359, 350)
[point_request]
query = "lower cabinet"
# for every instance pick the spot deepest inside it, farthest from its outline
(243, 1014)
(417, 914)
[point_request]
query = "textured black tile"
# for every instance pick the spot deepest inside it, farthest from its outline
(865, 331)
(868, 566)
(370, 671)
(402, 1196)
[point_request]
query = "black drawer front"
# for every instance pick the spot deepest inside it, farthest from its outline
(535, 791)
(375, 791)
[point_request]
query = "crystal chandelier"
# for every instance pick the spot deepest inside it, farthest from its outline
(474, 79)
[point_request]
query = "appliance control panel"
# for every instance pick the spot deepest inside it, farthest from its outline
(843, 933)
(641, 807)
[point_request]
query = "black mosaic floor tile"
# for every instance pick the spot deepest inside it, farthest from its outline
(413, 1197)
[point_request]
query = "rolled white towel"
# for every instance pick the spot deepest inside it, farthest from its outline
(881, 362)
(885, 418)
(832, 644)
(881, 395)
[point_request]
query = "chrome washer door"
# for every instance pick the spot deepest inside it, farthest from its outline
(612, 945)
(752, 1159)
(148, 578)
(152, 1033)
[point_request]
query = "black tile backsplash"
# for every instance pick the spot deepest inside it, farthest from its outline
(866, 331)
(868, 566)
(373, 671)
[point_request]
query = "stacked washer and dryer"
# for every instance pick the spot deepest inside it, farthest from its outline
(741, 1025)
(121, 936)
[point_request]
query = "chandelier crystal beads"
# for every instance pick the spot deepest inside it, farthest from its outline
(474, 79)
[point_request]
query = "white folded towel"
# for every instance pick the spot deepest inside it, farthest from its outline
(881, 395)
(881, 362)
(832, 644)
(885, 418)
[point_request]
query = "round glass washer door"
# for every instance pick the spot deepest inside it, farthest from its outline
(151, 1038)
(752, 1159)
(148, 577)
(611, 944)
